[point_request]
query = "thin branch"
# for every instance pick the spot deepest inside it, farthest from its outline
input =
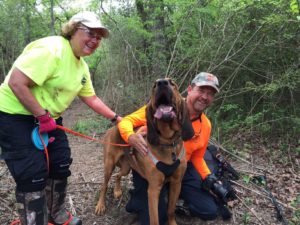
(274, 120)
(260, 194)
(4, 172)
(178, 37)
(250, 172)
(123, 37)
(255, 104)
(290, 158)
(227, 57)
(251, 210)
(214, 142)
(72, 208)
(235, 72)
(196, 60)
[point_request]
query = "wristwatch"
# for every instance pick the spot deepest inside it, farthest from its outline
(113, 120)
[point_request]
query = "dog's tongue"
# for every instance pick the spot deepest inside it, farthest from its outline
(164, 110)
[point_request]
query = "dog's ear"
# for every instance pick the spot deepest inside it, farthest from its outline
(151, 103)
(152, 134)
(187, 130)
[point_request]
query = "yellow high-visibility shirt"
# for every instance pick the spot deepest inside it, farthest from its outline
(59, 76)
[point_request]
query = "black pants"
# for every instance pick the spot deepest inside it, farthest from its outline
(138, 202)
(25, 162)
(201, 203)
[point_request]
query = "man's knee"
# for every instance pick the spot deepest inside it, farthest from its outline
(208, 213)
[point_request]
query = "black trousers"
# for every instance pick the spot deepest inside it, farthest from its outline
(201, 203)
(138, 202)
(26, 163)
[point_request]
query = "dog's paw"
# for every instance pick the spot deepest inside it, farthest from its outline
(117, 193)
(100, 209)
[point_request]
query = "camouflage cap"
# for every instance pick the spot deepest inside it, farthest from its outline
(206, 79)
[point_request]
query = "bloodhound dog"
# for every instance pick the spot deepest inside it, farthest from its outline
(168, 125)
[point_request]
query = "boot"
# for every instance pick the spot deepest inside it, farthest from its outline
(55, 194)
(182, 208)
(32, 208)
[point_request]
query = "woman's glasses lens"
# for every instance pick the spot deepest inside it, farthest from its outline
(90, 33)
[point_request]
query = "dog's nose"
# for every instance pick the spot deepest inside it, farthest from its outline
(162, 83)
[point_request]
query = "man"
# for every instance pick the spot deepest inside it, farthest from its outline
(40, 86)
(198, 179)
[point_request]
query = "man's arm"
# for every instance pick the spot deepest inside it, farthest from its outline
(197, 157)
(200, 165)
(126, 128)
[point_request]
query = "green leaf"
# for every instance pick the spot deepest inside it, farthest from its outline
(294, 7)
(246, 179)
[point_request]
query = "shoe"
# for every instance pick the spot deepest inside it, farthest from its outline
(182, 208)
(55, 194)
(71, 220)
(224, 212)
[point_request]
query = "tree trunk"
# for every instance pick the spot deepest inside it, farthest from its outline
(52, 17)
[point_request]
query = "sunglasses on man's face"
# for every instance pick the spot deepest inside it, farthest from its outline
(90, 33)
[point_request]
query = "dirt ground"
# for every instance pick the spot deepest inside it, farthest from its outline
(253, 206)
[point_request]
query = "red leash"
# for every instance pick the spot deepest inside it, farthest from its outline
(16, 222)
(88, 137)
(46, 151)
(76, 134)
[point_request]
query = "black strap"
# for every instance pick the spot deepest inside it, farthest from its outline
(166, 169)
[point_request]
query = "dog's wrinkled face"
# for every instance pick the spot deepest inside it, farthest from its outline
(163, 99)
(166, 113)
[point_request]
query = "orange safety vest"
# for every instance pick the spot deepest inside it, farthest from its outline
(195, 147)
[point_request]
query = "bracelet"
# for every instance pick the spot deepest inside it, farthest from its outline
(115, 118)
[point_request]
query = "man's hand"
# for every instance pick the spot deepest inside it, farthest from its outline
(46, 123)
(138, 142)
(209, 182)
(223, 192)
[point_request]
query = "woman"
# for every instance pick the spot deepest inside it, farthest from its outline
(40, 86)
